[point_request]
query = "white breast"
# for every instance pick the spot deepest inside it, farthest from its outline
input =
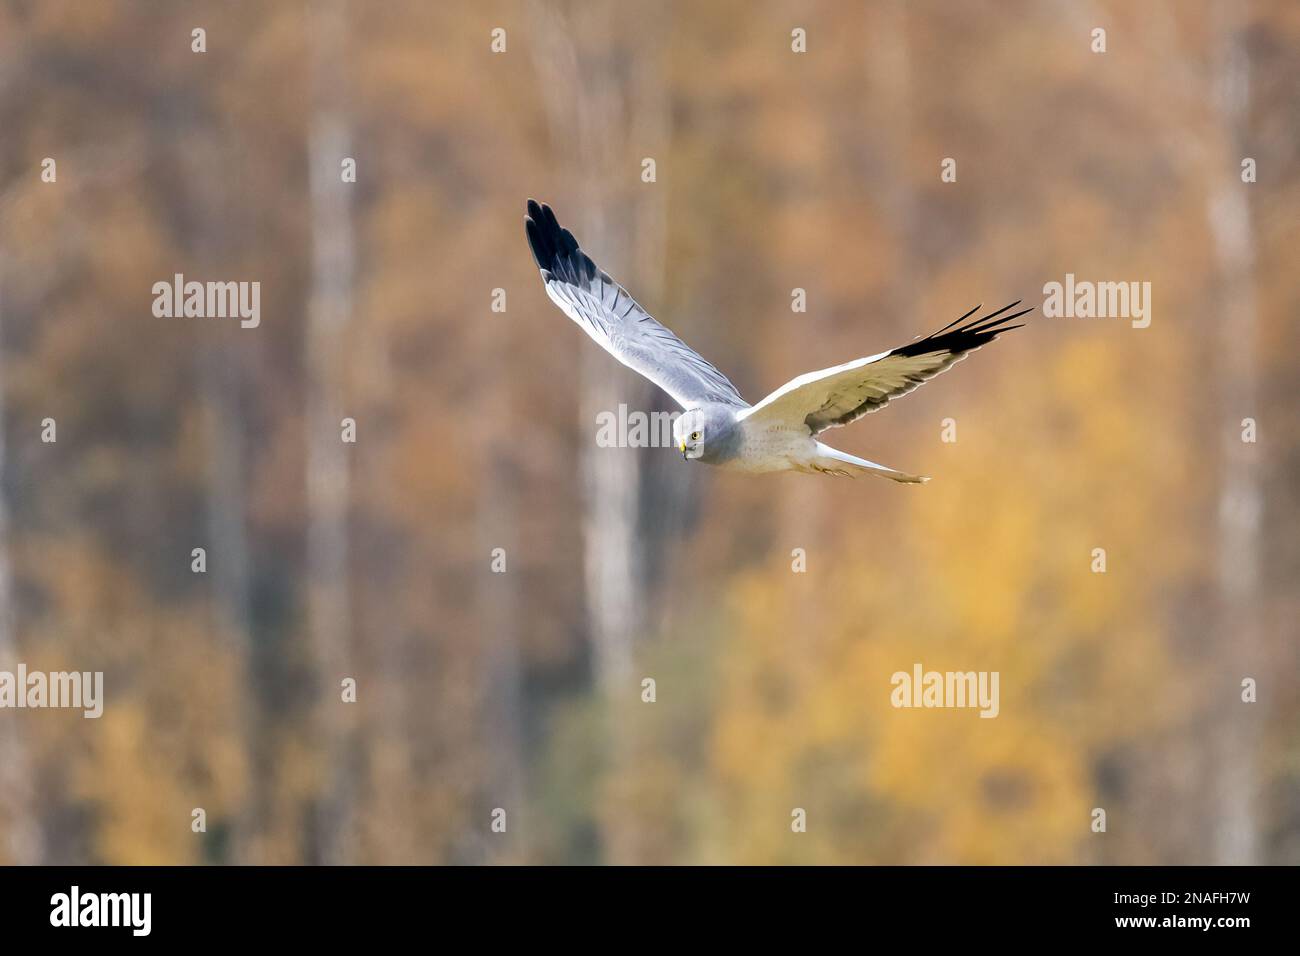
(773, 448)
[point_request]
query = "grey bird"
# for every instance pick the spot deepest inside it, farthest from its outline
(719, 427)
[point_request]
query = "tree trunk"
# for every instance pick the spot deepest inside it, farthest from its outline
(230, 567)
(333, 262)
(23, 840)
(1235, 834)
(608, 110)
(218, 366)
(502, 678)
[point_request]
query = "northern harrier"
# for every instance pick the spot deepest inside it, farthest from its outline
(718, 426)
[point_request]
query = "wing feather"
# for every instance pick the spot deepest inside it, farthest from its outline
(613, 319)
(843, 394)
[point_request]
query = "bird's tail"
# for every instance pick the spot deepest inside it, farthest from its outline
(832, 461)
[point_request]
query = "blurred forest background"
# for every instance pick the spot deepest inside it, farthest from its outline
(476, 430)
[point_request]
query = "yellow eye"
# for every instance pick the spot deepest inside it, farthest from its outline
(695, 436)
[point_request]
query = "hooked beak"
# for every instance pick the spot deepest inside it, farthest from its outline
(683, 449)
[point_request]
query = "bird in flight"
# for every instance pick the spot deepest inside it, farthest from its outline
(719, 427)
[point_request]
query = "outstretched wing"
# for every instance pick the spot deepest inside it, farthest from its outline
(843, 394)
(621, 327)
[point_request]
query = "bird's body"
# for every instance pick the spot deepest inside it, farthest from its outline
(754, 450)
(718, 427)
(739, 442)
(767, 448)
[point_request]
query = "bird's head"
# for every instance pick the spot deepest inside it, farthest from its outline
(699, 432)
(688, 433)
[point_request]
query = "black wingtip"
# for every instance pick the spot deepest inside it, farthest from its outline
(545, 237)
(536, 242)
(959, 319)
(553, 246)
(970, 336)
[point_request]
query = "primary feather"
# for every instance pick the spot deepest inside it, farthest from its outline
(616, 322)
